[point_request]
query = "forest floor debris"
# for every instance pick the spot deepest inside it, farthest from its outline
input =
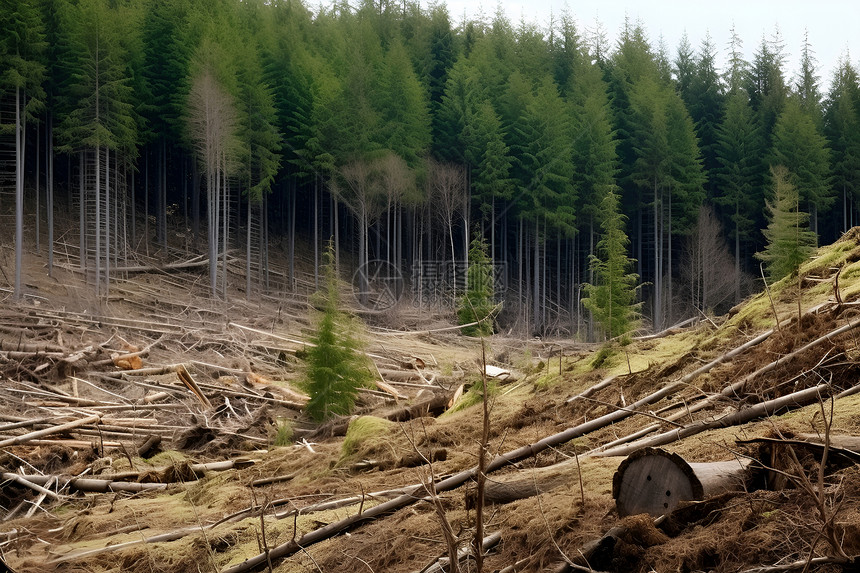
(183, 418)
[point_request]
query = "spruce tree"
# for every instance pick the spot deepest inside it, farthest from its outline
(789, 240)
(799, 146)
(612, 295)
(477, 302)
(336, 368)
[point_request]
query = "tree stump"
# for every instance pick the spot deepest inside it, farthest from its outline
(654, 481)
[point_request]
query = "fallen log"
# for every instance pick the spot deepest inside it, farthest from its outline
(654, 481)
(17, 440)
(779, 463)
(286, 549)
(88, 484)
(766, 408)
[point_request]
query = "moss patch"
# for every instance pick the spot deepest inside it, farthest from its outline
(363, 433)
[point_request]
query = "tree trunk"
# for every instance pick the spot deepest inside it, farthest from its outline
(19, 195)
(49, 144)
(536, 282)
(98, 239)
(654, 481)
(316, 232)
(82, 244)
(38, 193)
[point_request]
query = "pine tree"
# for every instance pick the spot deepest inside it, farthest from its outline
(799, 147)
(611, 298)
(336, 367)
(842, 128)
(789, 240)
(740, 193)
(477, 302)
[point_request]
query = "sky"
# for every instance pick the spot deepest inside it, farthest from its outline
(832, 25)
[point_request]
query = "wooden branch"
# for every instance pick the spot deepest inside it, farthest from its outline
(27, 481)
(17, 440)
(88, 484)
(441, 565)
(766, 408)
(803, 564)
(186, 379)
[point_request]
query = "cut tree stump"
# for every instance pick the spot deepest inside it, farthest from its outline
(654, 481)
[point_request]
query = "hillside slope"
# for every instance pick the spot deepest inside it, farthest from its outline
(557, 431)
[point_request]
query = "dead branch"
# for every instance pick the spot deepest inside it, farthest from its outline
(17, 440)
(766, 408)
(442, 564)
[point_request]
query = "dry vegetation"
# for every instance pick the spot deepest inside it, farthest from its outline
(235, 398)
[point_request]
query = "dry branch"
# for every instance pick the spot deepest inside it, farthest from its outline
(17, 440)
(442, 564)
(766, 408)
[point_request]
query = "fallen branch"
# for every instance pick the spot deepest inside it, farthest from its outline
(30, 483)
(766, 408)
(441, 565)
(17, 440)
(803, 564)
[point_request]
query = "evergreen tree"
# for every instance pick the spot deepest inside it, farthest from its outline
(611, 297)
(738, 178)
(402, 107)
(799, 147)
(842, 129)
(706, 106)
(336, 367)
(477, 302)
(807, 89)
(789, 240)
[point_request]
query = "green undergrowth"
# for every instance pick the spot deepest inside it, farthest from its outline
(364, 433)
(474, 395)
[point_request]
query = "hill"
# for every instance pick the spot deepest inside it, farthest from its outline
(199, 458)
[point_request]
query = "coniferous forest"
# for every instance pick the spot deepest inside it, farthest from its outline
(253, 126)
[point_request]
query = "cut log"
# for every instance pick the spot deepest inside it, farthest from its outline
(654, 481)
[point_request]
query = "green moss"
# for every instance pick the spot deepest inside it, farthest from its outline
(362, 430)
(474, 396)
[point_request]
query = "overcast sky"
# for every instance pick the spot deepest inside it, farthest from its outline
(832, 24)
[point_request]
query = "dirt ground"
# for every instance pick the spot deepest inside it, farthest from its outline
(290, 478)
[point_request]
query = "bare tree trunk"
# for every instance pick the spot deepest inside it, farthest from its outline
(292, 232)
(195, 204)
(146, 201)
(248, 253)
(38, 192)
(162, 215)
(98, 191)
(19, 195)
(226, 236)
(108, 233)
(49, 144)
(316, 232)
(82, 245)
(536, 281)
